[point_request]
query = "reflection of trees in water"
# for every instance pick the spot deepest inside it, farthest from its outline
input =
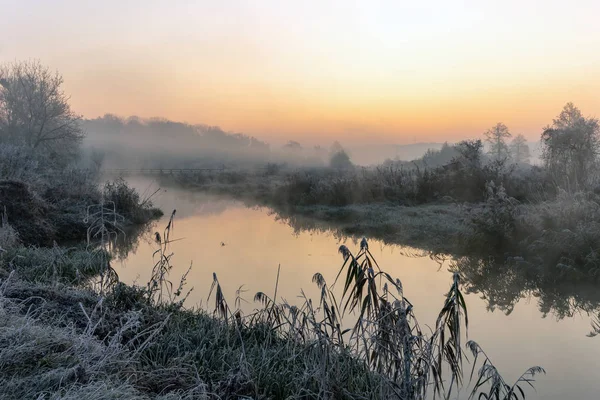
(125, 244)
(503, 283)
(300, 224)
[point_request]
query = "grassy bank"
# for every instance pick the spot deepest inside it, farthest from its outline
(427, 226)
(43, 203)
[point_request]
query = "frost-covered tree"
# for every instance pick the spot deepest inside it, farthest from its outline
(35, 111)
(519, 150)
(570, 147)
(496, 137)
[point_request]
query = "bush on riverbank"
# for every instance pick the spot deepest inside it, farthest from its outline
(555, 240)
(128, 202)
(43, 204)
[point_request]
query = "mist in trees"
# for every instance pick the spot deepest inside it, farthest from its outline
(519, 150)
(501, 150)
(496, 138)
(340, 160)
(293, 146)
(159, 143)
(35, 112)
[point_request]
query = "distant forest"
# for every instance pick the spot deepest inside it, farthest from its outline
(135, 142)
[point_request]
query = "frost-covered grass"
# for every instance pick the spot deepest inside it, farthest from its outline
(433, 227)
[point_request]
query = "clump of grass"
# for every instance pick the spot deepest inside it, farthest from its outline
(498, 388)
(52, 265)
(129, 203)
(9, 238)
(385, 336)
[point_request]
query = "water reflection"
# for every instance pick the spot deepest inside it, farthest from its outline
(502, 283)
(244, 247)
(500, 280)
(128, 241)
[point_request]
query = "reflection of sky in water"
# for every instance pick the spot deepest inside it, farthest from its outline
(256, 243)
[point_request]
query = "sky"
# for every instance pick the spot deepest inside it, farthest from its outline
(316, 71)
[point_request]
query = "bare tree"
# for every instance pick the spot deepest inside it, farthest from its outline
(570, 147)
(35, 111)
(519, 150)
(496, 137)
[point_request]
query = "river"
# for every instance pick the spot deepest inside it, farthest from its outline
(245, 246)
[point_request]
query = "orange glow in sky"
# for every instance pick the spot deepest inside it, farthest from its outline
(389, 71)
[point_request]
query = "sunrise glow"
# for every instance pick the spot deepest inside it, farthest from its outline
(391, 71)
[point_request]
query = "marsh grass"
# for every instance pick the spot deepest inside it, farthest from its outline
(385, 336)
(498, 389)
(160, 289)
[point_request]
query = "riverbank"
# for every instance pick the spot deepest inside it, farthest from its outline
(553, 237)
(434, 228)
(71, 342)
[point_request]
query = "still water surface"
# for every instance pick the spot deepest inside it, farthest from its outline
(245, 246)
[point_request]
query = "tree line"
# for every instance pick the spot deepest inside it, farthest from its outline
(35, 114)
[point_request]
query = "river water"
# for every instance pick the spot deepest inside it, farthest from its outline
(245, 246)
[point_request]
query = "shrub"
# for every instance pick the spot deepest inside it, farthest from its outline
(273, 169)
(495, 222)
(340, 160)
(128, 203)
(17, 163)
